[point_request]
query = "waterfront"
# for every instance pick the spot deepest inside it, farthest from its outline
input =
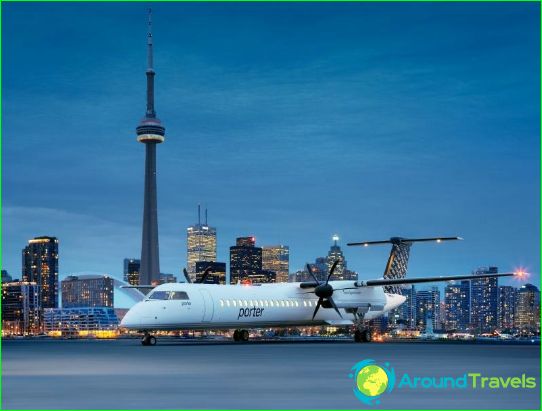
(122, 374)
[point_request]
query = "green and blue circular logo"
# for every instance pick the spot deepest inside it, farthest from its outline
(372, 380)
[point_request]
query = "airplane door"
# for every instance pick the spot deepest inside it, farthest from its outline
(208, 306)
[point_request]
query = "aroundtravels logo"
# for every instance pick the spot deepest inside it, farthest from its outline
(371, 381)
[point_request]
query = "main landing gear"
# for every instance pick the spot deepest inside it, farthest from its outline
(148, 339)
(240, 335)
(362, 336)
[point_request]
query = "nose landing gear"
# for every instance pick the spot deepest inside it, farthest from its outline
(148, 339)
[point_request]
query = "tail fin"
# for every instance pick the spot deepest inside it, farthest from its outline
(397, 264)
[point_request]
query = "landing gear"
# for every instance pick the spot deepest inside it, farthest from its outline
(362, 336)
(148, 339)
(240, 335)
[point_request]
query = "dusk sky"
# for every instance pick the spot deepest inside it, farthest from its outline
(290, 122)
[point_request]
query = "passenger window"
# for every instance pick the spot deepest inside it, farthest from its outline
(228, 303)
(296, 304)
(271, 303)
(261, 303)
(222, 303)
(304, 303)
(266, 303)
(159, 295)
(234, 303)
(178, 295)
(282, 303)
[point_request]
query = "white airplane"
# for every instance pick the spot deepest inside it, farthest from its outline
(181, 306)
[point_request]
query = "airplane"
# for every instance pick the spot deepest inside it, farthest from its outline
(189, 306)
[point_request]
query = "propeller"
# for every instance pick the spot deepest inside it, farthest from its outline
(324, 290)
(188, 280)
(205, 274)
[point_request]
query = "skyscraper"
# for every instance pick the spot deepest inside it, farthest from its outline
(427, 307)
(217, 274)
(245, 261)
(457, 306)
(131, 270)
(40, 265)
(506, 307)
(21, 308)
(201, 244)
(484, 301)
(336, 254)
(150, 132)
(276, 258)
(528, 309)
(408, 308)
(87, 291)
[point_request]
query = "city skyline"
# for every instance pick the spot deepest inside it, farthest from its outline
(331, 121)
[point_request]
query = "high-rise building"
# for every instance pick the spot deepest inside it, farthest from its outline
(40, 265)
(21, 308)
(457, 306)
(528, 309)
(201, 244)
(484, 301)
(341, 271)
(217, 274)
(408, 308)
(276, 258)
(427, 307)
(246, 261)
(150, 132)
(506, 307)
(132, 267)
(87, 291)
(6, 278)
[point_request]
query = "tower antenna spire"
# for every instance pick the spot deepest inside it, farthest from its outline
(151, 113)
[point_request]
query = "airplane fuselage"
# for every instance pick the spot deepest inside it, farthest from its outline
(177, 306)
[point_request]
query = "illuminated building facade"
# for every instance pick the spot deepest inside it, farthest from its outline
(528, 309)
(131, 270)
(427, 307)
(81, 322)
(21, 308)
(408, 308)
(507, 306)
(40, 265)
(457, 306)
(484, 301)
(217, 274)
(276, 258)
(246, 262)
(341, 271)
(87, 291)
(201, 244)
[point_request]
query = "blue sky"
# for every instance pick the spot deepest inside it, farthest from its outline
(290, 122)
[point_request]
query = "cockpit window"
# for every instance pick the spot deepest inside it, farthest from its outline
(178, 295)
(159, 295)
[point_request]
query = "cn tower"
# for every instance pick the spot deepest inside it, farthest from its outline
(150, 132)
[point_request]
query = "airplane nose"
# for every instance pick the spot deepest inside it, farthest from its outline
(130, 318)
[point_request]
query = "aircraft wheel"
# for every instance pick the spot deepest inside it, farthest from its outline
(236, 335)
(357, 336)
(244, 335)
(152, 340)
(366, 336)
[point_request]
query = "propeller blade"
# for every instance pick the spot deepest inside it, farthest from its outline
(312, 274)
(317, 307)
(205, 274)
(334, 306)
(332, 269)
(186, 275)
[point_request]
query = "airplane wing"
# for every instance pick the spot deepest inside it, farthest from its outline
(400, 281)
(139, 287)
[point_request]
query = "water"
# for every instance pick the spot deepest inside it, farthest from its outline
(56, 374)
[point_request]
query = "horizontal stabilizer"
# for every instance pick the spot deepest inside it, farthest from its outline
(401, 281)
(399, 240)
